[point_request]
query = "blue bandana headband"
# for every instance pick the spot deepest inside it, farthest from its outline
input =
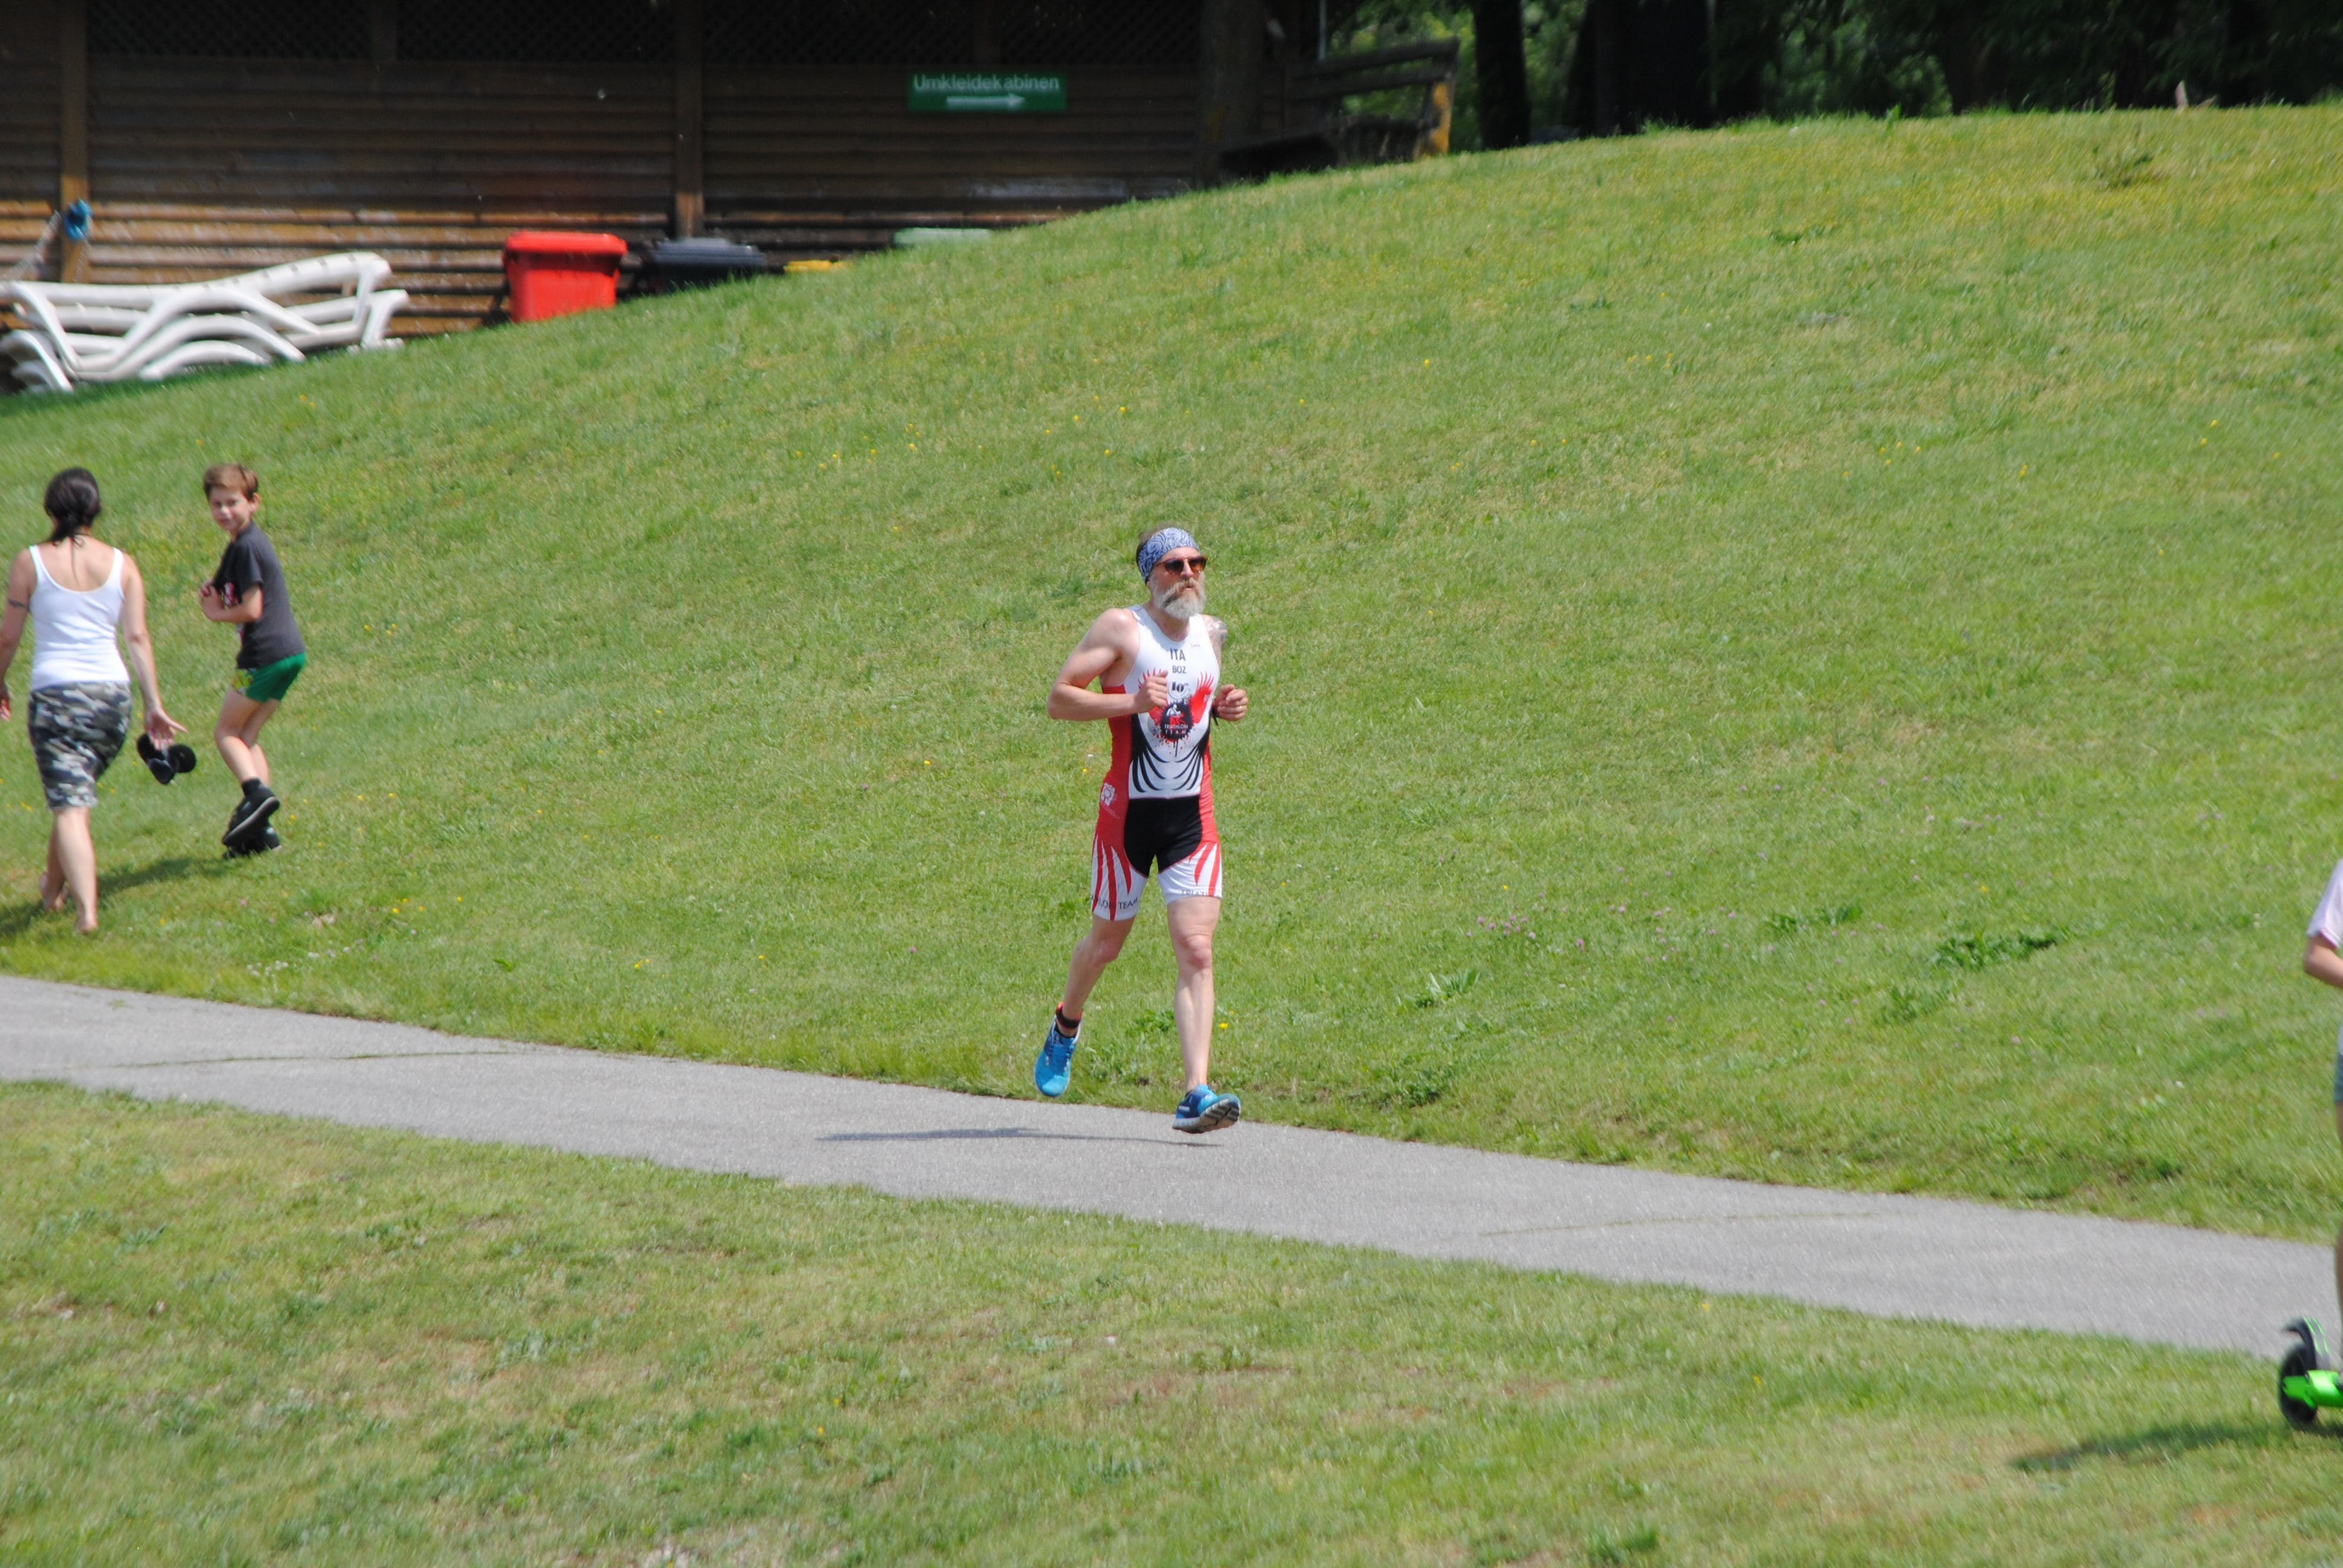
(1162, 543)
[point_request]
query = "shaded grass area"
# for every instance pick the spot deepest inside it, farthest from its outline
(232, 1338)
(1825, 627)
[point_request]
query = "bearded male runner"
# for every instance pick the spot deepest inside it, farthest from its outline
(1158, 666)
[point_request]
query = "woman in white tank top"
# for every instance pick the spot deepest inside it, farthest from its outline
(80, 596)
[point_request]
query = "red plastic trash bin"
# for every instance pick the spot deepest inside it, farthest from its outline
(551, 274)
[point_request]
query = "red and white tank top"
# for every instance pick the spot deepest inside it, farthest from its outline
(1164, 754)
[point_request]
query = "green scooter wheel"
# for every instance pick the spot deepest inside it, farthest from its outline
(2300, 1359)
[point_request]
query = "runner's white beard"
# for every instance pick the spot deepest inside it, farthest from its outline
(1185, 601)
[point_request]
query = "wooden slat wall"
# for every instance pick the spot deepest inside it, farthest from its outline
(821, 163)
(28, 124)
(202, 167)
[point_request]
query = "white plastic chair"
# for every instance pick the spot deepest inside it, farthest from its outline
(119, 332)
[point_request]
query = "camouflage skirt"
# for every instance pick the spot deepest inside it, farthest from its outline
(77, 731)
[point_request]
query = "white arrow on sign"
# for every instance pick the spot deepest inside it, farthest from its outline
(1012, 102)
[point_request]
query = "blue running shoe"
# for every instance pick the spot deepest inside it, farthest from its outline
(1054, 1068)
(1201, 1110)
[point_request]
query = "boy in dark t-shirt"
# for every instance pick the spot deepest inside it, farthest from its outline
(247, 592)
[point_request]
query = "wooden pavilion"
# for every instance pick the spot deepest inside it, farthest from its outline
(219, 136)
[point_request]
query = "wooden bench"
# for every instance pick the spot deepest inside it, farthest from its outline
(1331, 137)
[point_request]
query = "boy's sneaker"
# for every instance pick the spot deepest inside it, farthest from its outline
(251, 814)
(1054, 1068)
(1201, 1110)
(266, 841)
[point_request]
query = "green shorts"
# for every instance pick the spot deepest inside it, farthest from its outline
(270, 682)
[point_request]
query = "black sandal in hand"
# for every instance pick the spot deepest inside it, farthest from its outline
(167, 763)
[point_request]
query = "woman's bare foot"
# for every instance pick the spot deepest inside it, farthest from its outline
(87, 926)
(53, 895)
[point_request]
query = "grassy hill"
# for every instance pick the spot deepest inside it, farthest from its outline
(1793, 653)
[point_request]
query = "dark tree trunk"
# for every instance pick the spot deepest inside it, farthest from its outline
(1743, 36)
(1962, 59)
(1229, 92)
(1657, 62)
(1667, 74)
(1504, 73)
(1604, 19)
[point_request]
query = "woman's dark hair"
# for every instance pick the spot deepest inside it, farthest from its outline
(72, 504)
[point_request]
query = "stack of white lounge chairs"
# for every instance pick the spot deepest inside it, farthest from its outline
(75, 332)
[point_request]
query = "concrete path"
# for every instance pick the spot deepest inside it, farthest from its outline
(1889, 1256)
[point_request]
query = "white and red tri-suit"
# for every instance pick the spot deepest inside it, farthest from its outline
(1155, 807)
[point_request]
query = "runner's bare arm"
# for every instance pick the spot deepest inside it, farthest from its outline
(1229, 702)
(1105, 654)
(160, 726)
(2320, 961)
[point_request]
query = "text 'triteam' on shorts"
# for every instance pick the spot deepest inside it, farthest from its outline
(77, 731)
(1174, 838)
(270, 682)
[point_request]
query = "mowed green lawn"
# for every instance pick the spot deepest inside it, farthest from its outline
(225, 1337)
(1804, 653)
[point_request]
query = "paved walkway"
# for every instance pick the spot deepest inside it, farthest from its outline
(1889, 1256)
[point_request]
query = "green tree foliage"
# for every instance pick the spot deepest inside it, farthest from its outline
(1790, 58)
(1928, 56)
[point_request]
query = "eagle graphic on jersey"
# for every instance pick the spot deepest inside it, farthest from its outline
(1162, 759)
(1175, 721)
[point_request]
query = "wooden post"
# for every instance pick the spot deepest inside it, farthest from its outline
(382, 31)
(1444, 110)
(689, 120)
(73, 128)
(1230, 93)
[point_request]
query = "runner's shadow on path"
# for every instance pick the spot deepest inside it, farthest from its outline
(952, 1134)
(2160, 1443)
(14, 922)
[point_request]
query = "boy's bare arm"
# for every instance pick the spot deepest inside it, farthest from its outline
(245, 610)
(2320, 961)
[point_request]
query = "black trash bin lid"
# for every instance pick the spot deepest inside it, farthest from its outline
(707, 253)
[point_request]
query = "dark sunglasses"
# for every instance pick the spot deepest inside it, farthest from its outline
(1181, 565)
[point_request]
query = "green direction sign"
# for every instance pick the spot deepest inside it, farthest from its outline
(989, 93)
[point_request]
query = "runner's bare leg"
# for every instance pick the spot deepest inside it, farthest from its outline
(1099, 947)
(1193, 922)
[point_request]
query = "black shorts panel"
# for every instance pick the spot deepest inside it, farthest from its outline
(1160, 834)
